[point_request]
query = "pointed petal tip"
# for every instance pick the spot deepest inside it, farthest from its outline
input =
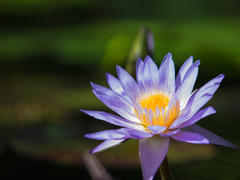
(91, 151)
(92, 84)
(198, 62)
(169, 55)
(118, 68)
(234, 147)
(221, 76)
(148, 58)
(85, 111)
(213, 138)
(212, 109)
(94, 150)
(205, 141)
(190, 59)
(139, 60)
(87, 135)
(107, 75)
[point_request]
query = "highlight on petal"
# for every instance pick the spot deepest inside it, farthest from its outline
(118, 105)
(192, 106)
(190, 137)
(186, 65)
(213, 138)
(188, 83)
(115, 84)
(106, 144)
(150, 73)
(157, 129)
(109, 134)
(102, 116)
(198, 104)
(129, 85)
(152, 152)
(166, 74)
(101, 89)
(113, 119)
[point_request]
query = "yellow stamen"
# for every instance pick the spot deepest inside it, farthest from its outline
(157, 110)
(155, 100)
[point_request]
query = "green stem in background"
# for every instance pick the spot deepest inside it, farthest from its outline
(165, 170)
(142, 45)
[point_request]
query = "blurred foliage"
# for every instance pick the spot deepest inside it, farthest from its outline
(215, 44)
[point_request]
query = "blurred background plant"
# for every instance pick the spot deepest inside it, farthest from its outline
(50, 51)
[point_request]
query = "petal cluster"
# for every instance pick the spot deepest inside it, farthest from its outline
(155, 107)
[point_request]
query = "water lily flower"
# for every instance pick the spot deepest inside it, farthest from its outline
(154, 108)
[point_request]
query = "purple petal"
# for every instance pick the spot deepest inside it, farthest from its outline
(213, 138)
(117, 105)
(166, 74)
(109, 134)
(186, 65)
(215, 80)
(157, 129)
(110, 92)
(152, 151)
(192, 106)
(139, 71)
(210, 87)
(201, 114)
(170, 132)
(106, 144)
(113, 119)
(190, 137)
(115, 85)
(150, 73)
(198, 104)
(135, 134)
(101, 116)
(128, 83)
(188, 83)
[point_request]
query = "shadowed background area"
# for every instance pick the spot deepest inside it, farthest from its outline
(49, 52)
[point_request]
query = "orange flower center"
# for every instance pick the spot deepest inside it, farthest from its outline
(155, 100)
(156, 109)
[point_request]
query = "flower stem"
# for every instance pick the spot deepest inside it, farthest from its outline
(165, 170)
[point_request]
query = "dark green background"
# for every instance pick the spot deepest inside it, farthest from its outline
(49, 52)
